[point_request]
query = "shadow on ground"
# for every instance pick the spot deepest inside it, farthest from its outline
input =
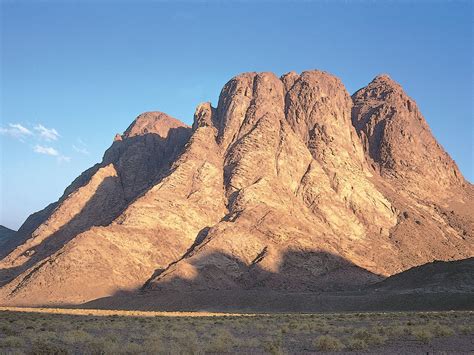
(257, 290)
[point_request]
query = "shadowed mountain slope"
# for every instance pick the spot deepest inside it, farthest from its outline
(6, 236)
(283, 172)
(436, 286)
(438, 276)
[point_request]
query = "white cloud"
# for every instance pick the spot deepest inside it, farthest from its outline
(48, 134)
(20, 128)
(46, 150)
(16, 130)
(80, 147)
(52, 152)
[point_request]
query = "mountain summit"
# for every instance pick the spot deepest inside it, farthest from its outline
(289, 184)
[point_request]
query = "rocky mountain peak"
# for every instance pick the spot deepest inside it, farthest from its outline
(152, 123)
(382, 87)
(396, 136)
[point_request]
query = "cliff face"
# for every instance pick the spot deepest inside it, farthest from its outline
(289, 184)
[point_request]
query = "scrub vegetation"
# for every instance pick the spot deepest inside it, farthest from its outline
(99, 333)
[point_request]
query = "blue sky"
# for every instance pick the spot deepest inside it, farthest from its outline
(74, 73)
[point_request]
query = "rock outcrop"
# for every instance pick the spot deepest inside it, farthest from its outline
(288, 184)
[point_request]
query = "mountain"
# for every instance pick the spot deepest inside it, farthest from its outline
(438, 276)
(288, 185)
(6, 235)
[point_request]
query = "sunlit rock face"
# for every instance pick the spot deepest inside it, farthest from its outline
(288, 184)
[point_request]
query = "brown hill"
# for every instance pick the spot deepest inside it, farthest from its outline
(288, 185)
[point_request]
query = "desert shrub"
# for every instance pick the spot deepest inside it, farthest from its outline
(361, 315)
(153, 345)
(45, 346)
(8, 330)
(112, 337)
(252, 343)
(369, 337)
(260, 326)
(422, 334)
(222, 341)
(293, 325)
(466, 329)
(273, 346)
(99, 346)
(76, 336)
(321, 327)
(328, 343)
(357, 344)
(132, 348)
(344, 329)
(380, 329)
(11, 341)
(440, 330)
(305, 327)
(184, 342)
(397, 331)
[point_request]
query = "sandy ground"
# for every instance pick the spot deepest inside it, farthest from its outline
(108, 313)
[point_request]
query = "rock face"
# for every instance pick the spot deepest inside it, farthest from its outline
(288, 185)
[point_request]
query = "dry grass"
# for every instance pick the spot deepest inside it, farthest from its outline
(117, 332)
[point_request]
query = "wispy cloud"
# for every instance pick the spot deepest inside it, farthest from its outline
(46, 150)
(40, 133)
(80, 150)
(16, 130)
(40, 149)
(48, 134)
(80, 147)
